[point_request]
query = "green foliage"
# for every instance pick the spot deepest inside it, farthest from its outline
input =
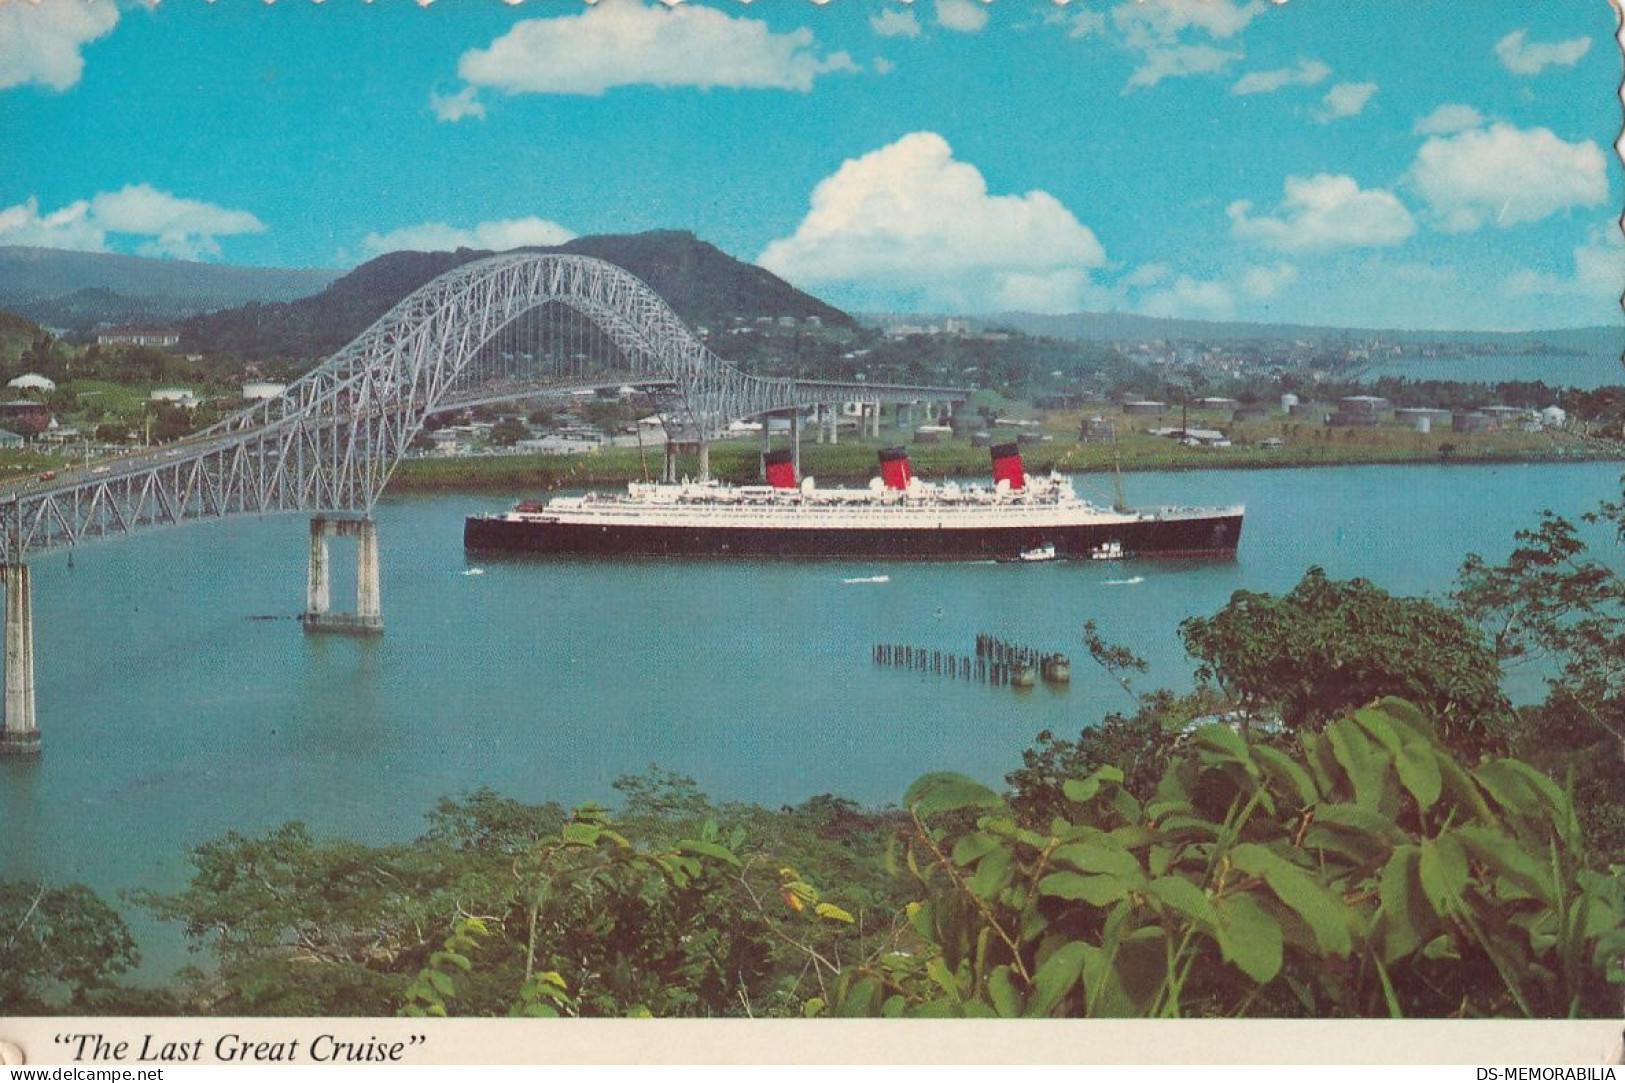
(1369, 873)
(58, 939)
(1327, 646)
(1553, 604)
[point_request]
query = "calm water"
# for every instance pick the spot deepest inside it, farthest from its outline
(170, 716)
(1589, 370)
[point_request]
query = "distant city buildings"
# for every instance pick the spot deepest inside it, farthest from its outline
(137, 336)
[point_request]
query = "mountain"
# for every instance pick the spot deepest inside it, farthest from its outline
(704, 286)
(81, 291)
(1123, 326)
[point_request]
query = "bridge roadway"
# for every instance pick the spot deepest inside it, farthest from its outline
(329, 445)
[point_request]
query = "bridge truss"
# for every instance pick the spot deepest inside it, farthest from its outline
(331, 442)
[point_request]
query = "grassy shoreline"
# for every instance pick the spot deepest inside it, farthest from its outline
(854, 461)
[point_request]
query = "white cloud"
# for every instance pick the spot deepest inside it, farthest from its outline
(1161, 31)
(1173, 61)
(911, 213)
(965, 16)
(1166, 20)
(1324, 212)
(68, 227)
(622, 43)
(172, 226)
(1262, 283)
(455, 107)
(1187, 297)
(896, 23)
(1307, 73)
(1344, 100)
(1522, 57)
(40, 42)
(1191, 299)
(1507, 176)
(497, 236)
(1447, 120)
(1082, 23)
(1599, 273)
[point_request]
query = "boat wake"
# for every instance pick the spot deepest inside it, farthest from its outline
(1122, 582)
(869, 579)
(474, 571)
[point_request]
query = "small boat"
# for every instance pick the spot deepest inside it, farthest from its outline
(1112, 550)
(1043, 552)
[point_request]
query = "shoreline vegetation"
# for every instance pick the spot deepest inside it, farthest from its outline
(853, 460)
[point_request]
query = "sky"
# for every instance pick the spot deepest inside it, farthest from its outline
(1388, 163)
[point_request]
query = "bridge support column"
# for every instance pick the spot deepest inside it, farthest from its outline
(795, 440)
(874, 431)
(705, 460)
(19, 735)
(668, 473)
(767, 442)
(818, 421)
(368, 618)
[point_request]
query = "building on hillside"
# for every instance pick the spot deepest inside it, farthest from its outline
(260, 390)
(1554, 416)
(138, 336)
(175, 396)
(32, 381)
(25, 417)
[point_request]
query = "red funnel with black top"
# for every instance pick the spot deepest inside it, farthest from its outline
(894, 471)
(1007, 466)
(781, 469)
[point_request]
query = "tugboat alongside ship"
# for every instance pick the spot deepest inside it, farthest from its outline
(898, 517)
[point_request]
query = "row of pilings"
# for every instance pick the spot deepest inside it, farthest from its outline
(995, 662)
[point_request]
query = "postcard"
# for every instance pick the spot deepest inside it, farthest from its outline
(811, 531)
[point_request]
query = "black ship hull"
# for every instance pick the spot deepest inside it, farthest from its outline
(1184, 537)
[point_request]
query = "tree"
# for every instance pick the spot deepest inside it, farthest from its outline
(1327, 646)
(1553, 604)
(508, 431)
(58, 937)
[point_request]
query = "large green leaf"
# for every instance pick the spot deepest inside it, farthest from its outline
(1007, 999)
(1286, 771)
(1185, 898)
(1319, 908)
(1443, 871)
(1414, 758)
(1509, 860)
(1364, 762)
(1098, 857)
(1094, 890)
(1404, 922)
(1249, 938)
(992, 872)
(972, 846)
(1056, 976)
(944, 791)
(1083, 790)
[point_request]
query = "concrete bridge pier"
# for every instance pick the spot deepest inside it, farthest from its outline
(705, 460)
(19, 736)
(795, 440)
(368, 618)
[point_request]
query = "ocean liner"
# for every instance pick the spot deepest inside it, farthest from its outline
(897, 517)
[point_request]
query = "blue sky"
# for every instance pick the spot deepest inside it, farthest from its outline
(1383, 163)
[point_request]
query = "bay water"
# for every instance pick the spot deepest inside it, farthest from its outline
(179, 699)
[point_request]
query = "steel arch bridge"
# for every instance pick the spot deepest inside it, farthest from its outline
(332, 441)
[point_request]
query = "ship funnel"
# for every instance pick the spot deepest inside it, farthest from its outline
(1007, 466)
(781, 469)
(894, 469)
